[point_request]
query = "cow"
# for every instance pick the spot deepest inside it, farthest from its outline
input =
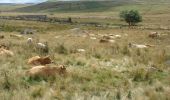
(41, 45)
(29, 40)
(16, 36)
(153, 35)
(6, 52)
(140, 46)
(104, 41)
(46, 71)
(37, 60)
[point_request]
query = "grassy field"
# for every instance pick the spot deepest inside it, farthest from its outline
(105, 71)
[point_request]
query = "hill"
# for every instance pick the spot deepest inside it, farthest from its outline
(10, 6)
(74, 6)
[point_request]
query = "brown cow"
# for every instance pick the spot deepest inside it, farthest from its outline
(39, 60)
(45, 71)
(104, 41)
(6, 52)
(154, 35)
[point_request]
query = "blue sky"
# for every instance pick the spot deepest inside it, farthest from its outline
(21, 1)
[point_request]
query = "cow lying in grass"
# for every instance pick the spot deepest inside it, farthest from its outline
(16, 36)
(140, 46)
(6, 52)
(154, 35)
(37, 60)
(46, 71)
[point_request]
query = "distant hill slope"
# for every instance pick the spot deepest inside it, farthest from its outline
(84, 5)
(9, 6)
(67, 6)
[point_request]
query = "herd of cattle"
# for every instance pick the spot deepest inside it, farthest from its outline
(40, 66)
(43, 66)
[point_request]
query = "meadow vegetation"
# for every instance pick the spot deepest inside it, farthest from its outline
(104, 71)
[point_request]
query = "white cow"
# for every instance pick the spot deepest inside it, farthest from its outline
(29, 40)
(41, 45)
(140, 46)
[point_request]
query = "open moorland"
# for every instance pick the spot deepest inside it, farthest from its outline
(95, 56)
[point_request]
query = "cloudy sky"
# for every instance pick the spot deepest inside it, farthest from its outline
(21, 1)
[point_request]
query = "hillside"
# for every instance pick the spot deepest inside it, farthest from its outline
(67, 6)
(86, 6)
(8, 6)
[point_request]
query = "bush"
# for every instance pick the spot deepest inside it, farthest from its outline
(61, 49)
(131, 17)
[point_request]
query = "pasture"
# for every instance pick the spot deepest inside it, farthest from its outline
(96, 70)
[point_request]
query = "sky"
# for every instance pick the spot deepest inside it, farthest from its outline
(21, 1)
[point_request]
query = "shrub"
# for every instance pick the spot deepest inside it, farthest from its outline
(61, 49)
(131, 17)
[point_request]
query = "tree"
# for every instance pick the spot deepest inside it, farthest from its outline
(70, 20)
(131, 17)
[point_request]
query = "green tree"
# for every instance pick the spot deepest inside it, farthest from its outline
(131, 17)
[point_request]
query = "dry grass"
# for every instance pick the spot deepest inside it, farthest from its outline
(104, 71)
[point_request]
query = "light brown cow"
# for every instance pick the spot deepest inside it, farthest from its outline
(154, 35)
(2, 36)
(16, 36)
(37, 60)
(45, 71)
(6, 52)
